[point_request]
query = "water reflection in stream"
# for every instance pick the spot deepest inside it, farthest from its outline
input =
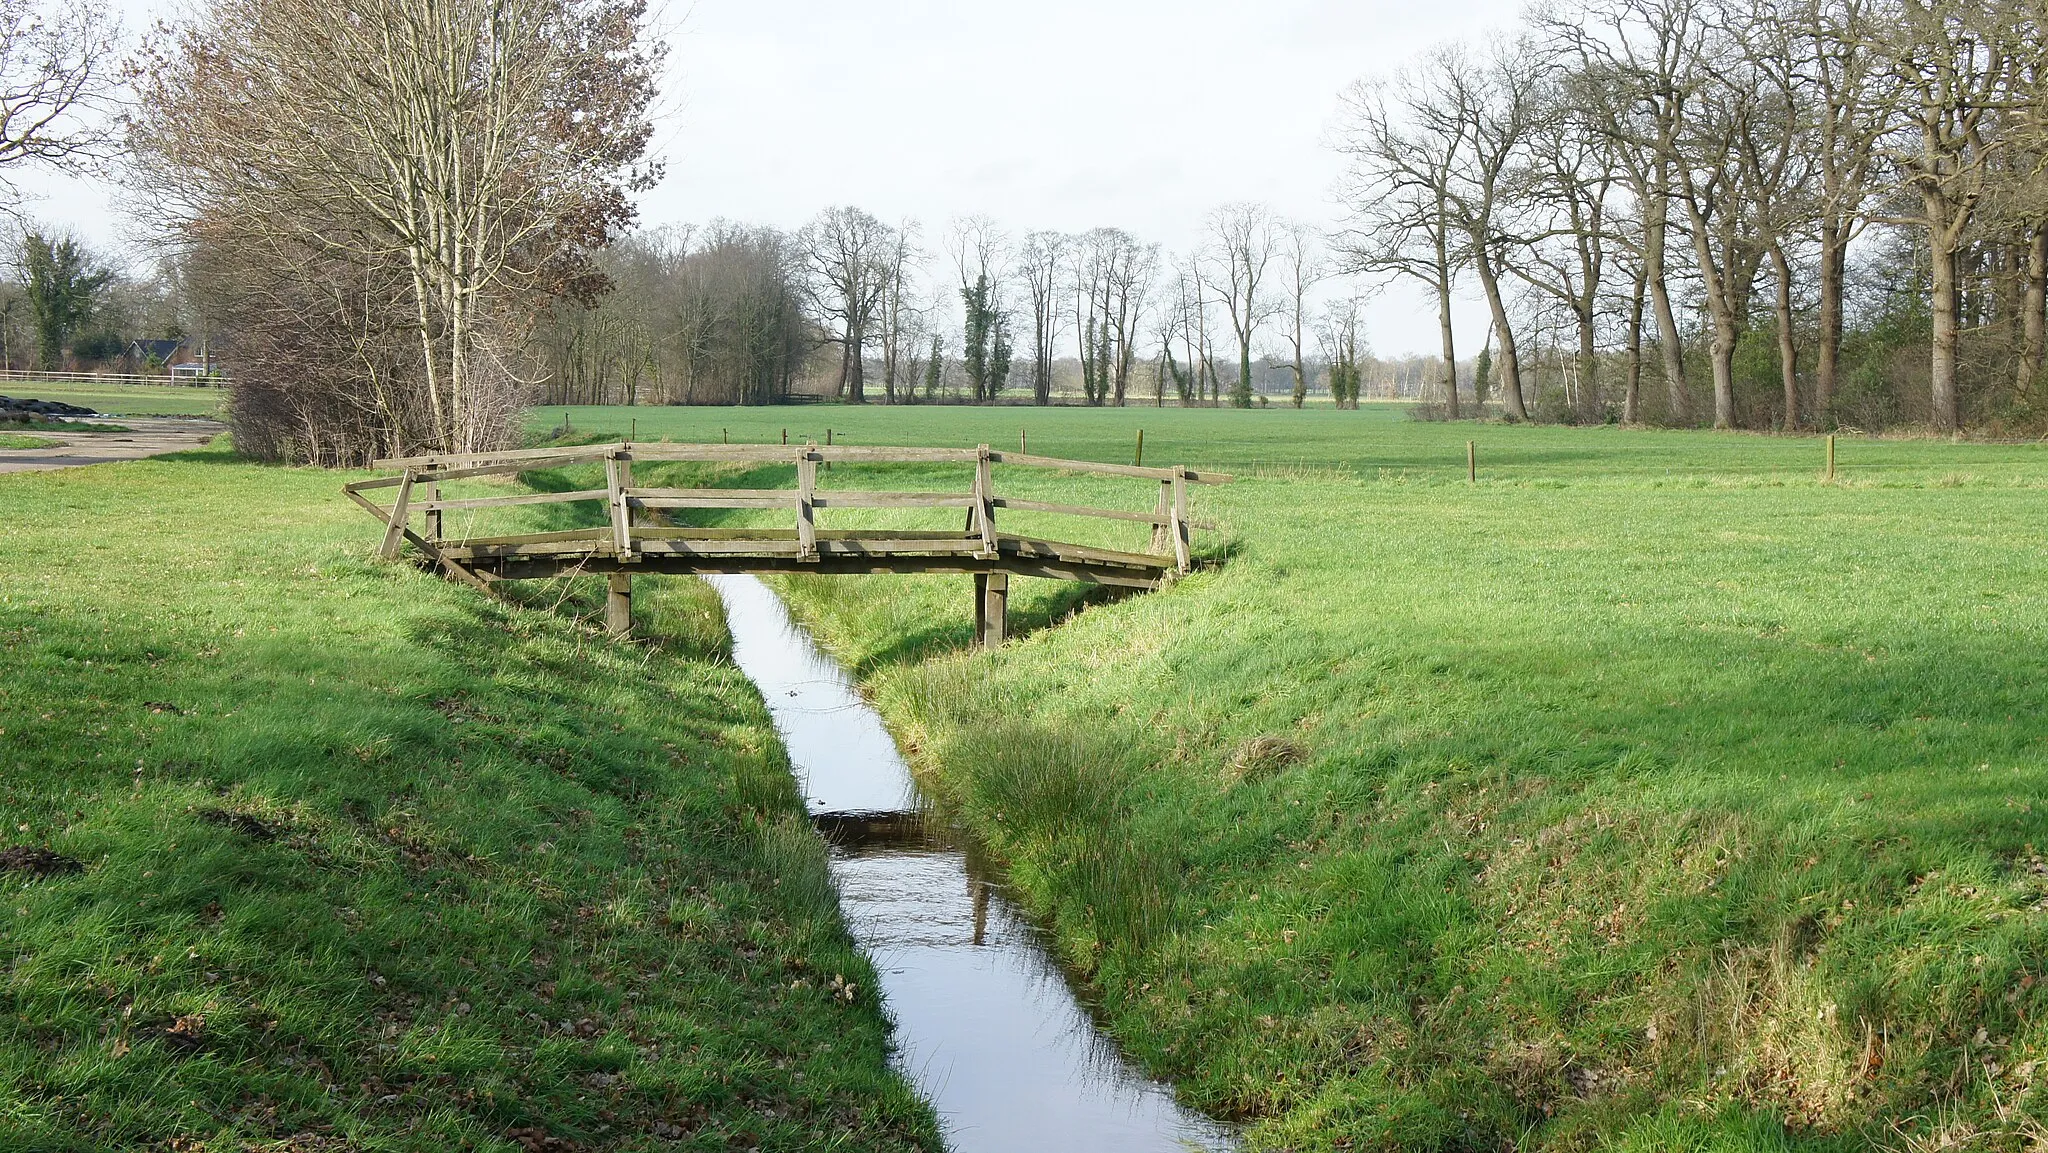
(986, 1026)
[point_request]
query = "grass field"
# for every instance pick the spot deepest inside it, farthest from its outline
(123, 399)
(18, 440)
(1648, 795)
(305, 852)
(1378, 442)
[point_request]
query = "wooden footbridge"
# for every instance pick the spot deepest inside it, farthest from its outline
(630, 542)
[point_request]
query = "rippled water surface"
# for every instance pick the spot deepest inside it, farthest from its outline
(986, 1025)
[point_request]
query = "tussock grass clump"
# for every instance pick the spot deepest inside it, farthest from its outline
(302, 851)
(1262, 756)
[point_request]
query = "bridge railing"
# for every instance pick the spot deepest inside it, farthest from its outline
(421, 478)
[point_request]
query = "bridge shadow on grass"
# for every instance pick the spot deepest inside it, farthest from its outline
(1057, 603)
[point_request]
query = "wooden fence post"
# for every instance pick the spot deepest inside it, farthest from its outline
(618, 604)
(1472, 462)
(1139, 460)
(985, 503)
(1831, 458)
(1182, 559)
(806, 506)
(995, 609)
(394, 528)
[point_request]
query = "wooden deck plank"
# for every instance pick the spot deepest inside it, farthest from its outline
(532, 568)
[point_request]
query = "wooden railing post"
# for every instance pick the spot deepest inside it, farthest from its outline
(1163, 511)
(1182, 561)
(618, 471)
(394, 528)
(433, 514)
(806, 505)
(985, 503)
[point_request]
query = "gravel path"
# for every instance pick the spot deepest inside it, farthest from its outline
(152, 436)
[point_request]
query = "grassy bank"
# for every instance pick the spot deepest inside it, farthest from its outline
(1651, 795)
(306, 852)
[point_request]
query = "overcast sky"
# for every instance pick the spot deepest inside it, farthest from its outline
(1065, 114)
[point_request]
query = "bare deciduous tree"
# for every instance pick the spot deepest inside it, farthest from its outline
(58, 66)
(1632, 81)
(1301, 268)
(1947, 67)
(1041, 265)
(902, 326)
(1397, 190)
(849, 254)
(1244, 240)
(488, 147)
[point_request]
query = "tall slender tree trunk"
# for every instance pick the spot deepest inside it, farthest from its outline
(1788, 347)
(1725, 337)
(1947, 336)
(438, 413)
(1721, 312)
(1589, 362)
(1443, 317)
(1509, 366)
(856, 368)
(1656, 231)
(1826, 370)
(1632, 393)
(2033, 311)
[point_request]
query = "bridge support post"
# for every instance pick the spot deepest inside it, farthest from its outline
(618, 604)
(991, 609)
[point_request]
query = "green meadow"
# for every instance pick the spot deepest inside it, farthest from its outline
(124, 399)
(1650, 794)
(303, 851)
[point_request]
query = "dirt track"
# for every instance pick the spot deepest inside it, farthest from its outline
(152, 436)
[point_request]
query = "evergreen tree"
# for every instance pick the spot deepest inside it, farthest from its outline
(935, 370)
(62, 284)
(988, 354)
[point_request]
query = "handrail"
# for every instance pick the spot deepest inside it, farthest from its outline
(527, 458)
(422, 476)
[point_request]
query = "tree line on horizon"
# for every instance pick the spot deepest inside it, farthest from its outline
(1774, 214)
(1788, 213)
(1745, 213)
(861, 310)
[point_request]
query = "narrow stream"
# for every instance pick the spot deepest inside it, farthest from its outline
(986, 1026)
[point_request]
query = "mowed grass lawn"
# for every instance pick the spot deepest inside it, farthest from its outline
(123, 399)
(1650, 794)
(300, 851)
